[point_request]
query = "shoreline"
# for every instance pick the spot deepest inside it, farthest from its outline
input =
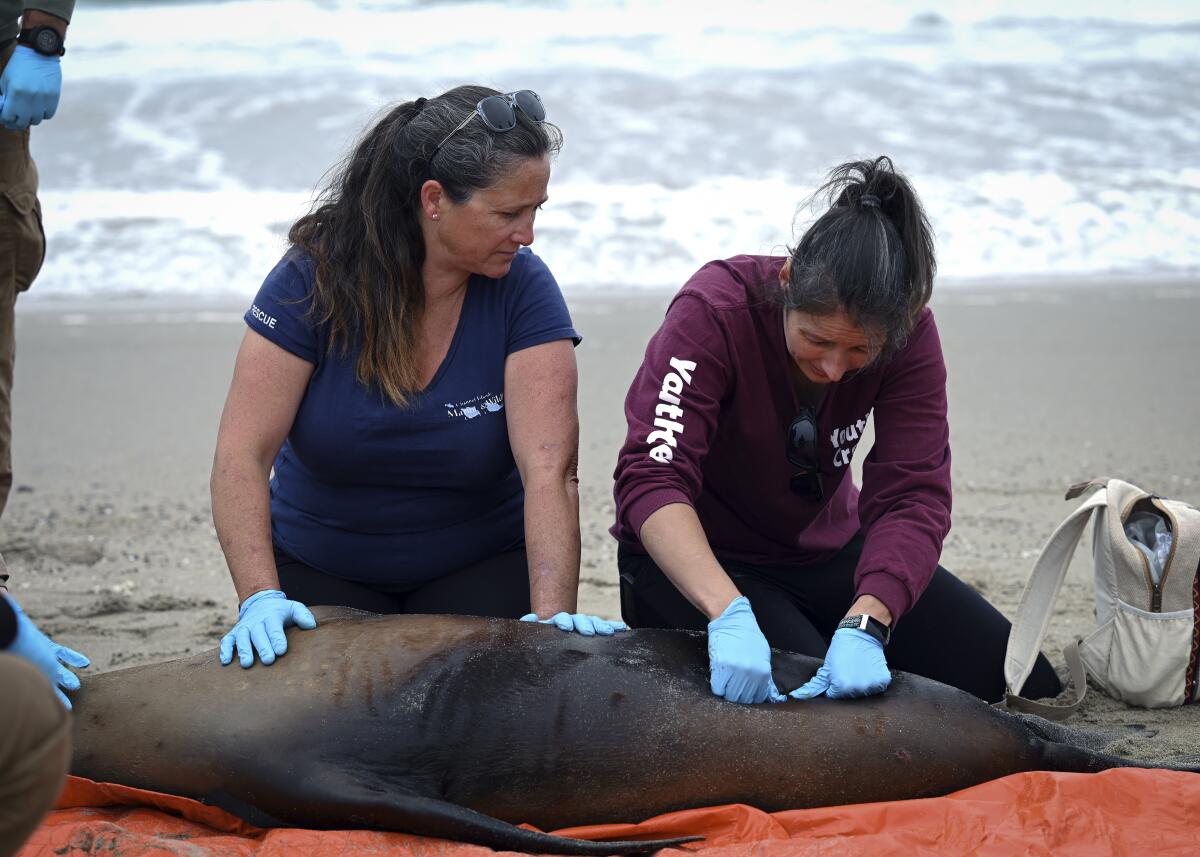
(947, 292)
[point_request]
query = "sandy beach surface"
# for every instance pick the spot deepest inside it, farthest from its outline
(109, 534)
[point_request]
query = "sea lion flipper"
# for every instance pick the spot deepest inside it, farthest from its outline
(427, 816)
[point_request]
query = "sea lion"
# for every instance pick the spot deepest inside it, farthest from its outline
(462, 727)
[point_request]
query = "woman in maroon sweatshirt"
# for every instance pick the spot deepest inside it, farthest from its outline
(736, 511)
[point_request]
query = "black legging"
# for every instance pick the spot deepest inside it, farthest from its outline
(951, 634)
(497, 587)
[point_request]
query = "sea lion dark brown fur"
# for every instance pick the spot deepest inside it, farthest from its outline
(461, 728)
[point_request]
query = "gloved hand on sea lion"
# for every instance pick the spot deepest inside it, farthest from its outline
(854, 666)
(47, 655)
(580, 623)
(261, 620)
(739, 656)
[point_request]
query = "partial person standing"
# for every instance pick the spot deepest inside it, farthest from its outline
(35, 728)
(401, 433)
(31, 44)
(35, 742)
(736, 512)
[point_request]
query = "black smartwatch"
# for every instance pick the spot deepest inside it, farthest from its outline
(870, 624)
(45, 40)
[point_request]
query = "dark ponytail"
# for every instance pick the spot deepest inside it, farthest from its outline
(871, 254)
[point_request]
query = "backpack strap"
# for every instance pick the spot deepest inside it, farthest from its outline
(1037, 602)
(1050, 711)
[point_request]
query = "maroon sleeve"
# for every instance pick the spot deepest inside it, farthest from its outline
(671, 410)
(905, 502)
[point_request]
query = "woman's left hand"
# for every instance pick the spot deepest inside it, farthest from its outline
(580, 623)
(854, 666)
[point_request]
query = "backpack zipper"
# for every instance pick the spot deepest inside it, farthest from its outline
(1154, 591)
(1156, 600)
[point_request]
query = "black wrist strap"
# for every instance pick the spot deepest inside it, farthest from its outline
(28, 38)
(868, 623)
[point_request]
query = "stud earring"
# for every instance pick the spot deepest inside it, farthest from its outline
(434, 216)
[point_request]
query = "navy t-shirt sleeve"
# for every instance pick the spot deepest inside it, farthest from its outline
(280, 309)
(536, 309)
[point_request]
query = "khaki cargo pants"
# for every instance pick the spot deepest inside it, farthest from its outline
(35, 749)
(22, 248)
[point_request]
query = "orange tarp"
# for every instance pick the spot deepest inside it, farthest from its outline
(1124, 811)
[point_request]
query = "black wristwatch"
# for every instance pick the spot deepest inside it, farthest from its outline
(45, 40)
(870, 624)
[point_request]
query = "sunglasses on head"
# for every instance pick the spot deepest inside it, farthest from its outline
(499, 112)
(802, 453)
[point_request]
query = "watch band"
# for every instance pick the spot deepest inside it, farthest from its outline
(44, 40)
(865, 622)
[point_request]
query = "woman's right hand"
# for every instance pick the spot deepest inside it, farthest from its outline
(739, 656)
(261, 620)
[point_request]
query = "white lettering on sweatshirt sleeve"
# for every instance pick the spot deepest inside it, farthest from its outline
(668, 416)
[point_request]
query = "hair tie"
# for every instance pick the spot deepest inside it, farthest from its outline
(869, 200)
(420, 104)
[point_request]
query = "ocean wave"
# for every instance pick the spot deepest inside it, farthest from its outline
(190, 135)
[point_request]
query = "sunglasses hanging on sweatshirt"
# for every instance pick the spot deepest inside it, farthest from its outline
(802, 453)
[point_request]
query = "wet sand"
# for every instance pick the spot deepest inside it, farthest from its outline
(109, 534)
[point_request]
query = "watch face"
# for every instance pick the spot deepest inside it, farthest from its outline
(46, 42)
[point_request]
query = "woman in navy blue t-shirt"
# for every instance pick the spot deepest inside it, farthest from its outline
(409, 376)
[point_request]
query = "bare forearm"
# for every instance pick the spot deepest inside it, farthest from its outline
(552, 545)
(676, 542)
(242, 516)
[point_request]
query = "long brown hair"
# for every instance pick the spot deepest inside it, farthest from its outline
(364, 229)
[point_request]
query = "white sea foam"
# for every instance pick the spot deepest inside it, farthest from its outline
(220, 242)
(600, 234)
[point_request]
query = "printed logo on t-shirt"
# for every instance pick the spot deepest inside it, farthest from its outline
(264, 318)
(668, 416)
(845, 440)
(487, 403)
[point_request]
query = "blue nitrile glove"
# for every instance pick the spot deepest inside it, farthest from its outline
(47, 655)
(854, 666)
(739, 657)
(581, 623)
(261, 620)
(29, 89)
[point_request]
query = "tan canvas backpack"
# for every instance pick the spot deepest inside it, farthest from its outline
(1145, 647)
